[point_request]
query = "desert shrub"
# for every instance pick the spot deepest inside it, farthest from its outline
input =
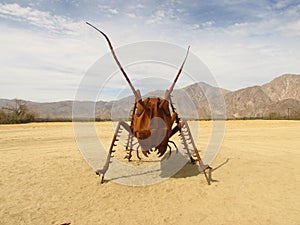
(295, 115)
(16, 113)
(275, 116)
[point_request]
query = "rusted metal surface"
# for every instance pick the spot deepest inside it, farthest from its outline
(153, 122)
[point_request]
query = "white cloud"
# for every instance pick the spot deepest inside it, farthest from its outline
(132, 15)
(157, 17)
(290, 29)
(113, 11)
(282, 4)
(208, 23)
(139, 6)
(42, 19)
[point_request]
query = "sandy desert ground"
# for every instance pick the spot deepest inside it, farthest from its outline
(45, 180)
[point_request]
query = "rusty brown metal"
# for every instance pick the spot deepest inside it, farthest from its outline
(153, 124)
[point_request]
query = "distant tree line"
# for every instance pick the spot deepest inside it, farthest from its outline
(17, 112)
(294, 115)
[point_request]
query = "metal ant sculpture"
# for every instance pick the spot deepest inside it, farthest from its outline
(152, 124)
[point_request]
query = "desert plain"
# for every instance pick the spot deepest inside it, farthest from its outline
(45, 180)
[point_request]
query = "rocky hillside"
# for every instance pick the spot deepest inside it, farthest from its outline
(279, 98)
(283, 87)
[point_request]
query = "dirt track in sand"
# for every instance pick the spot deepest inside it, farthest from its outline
(45, 180)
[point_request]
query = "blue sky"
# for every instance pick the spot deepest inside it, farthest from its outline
(46, 47)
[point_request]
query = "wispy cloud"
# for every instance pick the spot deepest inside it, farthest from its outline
(42, 19)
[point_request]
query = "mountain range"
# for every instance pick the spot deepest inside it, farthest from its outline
(280, 98)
